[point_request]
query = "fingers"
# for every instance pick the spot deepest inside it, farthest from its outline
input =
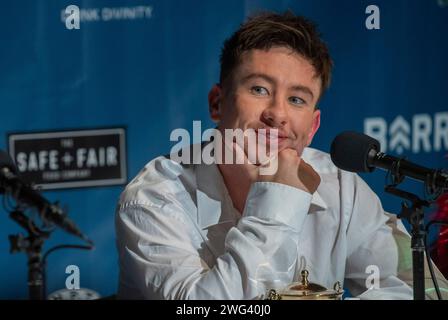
(236, 157)
(269, 166)
(265, 161)
(290, 156)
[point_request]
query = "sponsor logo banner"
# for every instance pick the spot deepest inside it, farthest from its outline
(71, 159)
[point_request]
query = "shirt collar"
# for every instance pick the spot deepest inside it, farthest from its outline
(317, 202)
(213, 200)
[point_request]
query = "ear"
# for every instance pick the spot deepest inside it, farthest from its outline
(214, 103)
(314, 126)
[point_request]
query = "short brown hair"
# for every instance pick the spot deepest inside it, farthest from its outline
(267, 30)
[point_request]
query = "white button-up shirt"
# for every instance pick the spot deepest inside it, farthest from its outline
(179, 236)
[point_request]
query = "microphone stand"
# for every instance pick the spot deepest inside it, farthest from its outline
(415, 216)
(32, 245)
(27, 197)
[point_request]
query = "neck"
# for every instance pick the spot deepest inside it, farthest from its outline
(238, 187)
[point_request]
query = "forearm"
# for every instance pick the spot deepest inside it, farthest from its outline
(260, 251)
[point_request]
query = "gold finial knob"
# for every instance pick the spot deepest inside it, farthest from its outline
(305, 274)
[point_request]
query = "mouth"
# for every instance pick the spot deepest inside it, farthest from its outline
(268, 133)
(280, 139)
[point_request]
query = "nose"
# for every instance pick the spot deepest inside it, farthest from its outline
(275, 115)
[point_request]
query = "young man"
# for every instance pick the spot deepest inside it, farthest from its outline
(225, 231)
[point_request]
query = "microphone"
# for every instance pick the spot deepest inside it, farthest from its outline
(22, 192)
(356, 152)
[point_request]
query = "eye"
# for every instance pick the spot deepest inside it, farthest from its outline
(259, 91)
(296, 100)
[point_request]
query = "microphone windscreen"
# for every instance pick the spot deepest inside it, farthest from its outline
(350, 151)
(6, 161)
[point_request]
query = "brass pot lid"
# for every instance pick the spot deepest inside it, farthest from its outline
(305, 285)
(305, 288)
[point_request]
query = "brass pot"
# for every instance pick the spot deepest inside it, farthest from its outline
(305, 290)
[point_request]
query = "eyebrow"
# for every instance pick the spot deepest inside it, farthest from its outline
(272, 81)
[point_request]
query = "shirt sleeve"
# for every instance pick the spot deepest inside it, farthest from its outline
(157, 250)
(374, 256)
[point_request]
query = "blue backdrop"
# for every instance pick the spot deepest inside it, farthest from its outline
(150, 70)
